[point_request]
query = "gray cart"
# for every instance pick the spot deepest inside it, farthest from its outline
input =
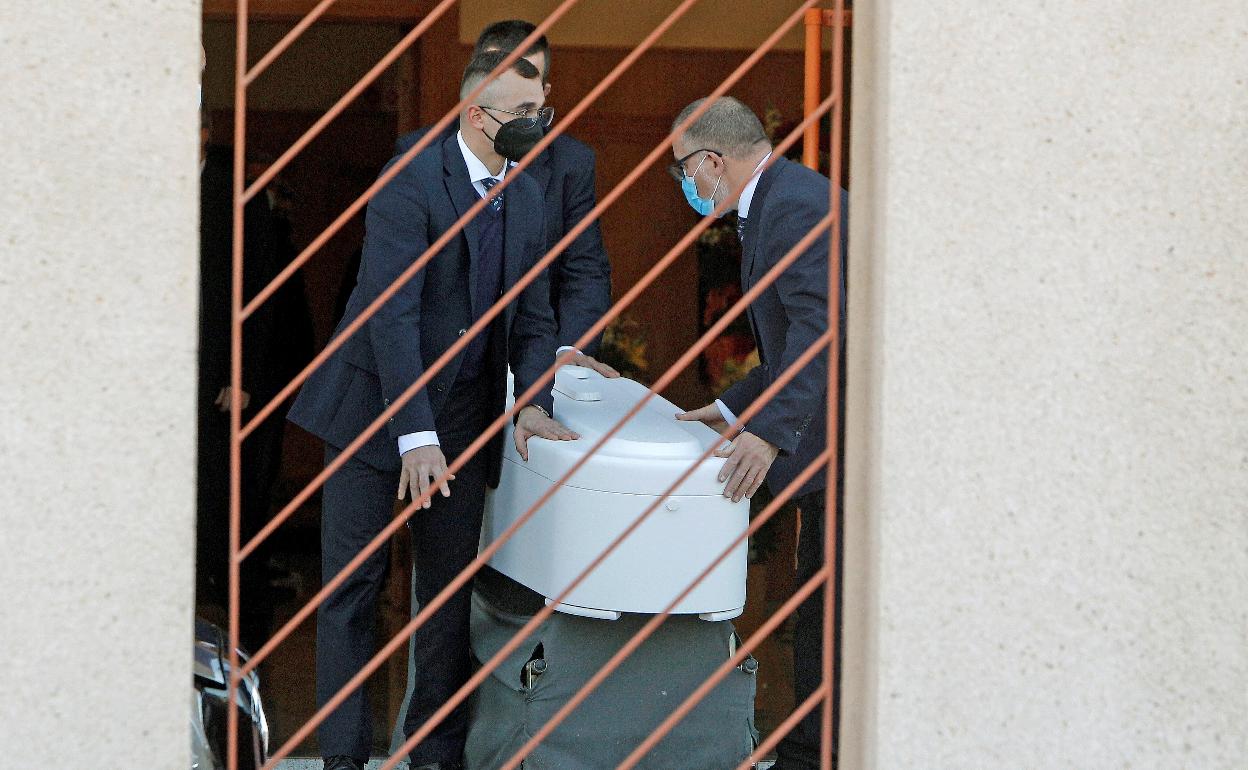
(546, 670)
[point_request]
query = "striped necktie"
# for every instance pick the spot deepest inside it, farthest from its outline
(497, 203)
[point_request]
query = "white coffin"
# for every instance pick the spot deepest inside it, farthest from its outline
(605, 495)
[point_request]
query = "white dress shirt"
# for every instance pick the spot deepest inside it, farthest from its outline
(477, 171)
(743, 210)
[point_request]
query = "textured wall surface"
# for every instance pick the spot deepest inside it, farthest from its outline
(99, 237)
(1049, 451)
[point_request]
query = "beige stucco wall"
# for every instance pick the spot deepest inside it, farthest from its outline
(98, 231)
(1048, 444)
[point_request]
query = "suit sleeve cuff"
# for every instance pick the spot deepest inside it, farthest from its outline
(410, 441)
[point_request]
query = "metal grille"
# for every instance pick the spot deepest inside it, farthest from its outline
(817, 106)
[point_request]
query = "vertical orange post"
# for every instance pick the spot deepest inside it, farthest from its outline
(810, 97)
(833, 493)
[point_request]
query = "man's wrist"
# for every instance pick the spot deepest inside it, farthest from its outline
(538, 408)
(410, 441)
(774, 449)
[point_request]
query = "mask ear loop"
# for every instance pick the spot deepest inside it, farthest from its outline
(718, 182)
(699, 168)
(491, 117)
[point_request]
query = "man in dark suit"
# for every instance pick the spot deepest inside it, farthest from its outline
(718, 158)
(370, 371)
(216, 227)
(580, 278)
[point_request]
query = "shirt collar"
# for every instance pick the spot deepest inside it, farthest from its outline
(747, 195)
(476, 169)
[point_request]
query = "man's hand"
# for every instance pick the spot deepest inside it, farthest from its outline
(589, 362)
(420, 467)
(532, 422)
(709, 415)
(749, 459)
(223, 398)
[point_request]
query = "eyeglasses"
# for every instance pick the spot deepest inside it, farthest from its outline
(537, 116)
(677, 169)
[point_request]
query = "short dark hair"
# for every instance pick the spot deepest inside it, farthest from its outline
(506, 35)
(727, 126)
(481, 65)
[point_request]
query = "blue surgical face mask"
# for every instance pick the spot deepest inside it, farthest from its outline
(701, 205)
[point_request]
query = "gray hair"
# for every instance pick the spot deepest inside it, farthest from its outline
(728, 127)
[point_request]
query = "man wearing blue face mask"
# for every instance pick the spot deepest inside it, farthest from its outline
(719, 160)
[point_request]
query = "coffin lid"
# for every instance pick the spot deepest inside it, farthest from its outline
(644, 457)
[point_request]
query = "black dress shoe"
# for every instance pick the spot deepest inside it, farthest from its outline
(342, 763)
(439, 766)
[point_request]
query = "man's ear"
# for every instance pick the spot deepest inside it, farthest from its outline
(546, 90)
(476, 118)
(715, 163)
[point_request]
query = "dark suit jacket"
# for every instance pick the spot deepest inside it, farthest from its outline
(216, 223)
(580, 278)
(424, 318)
(788, 317)
(216, 227)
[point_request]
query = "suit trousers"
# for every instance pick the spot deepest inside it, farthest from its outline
(358, 502)
(800, 748)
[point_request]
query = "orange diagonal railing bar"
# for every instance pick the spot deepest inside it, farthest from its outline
(591, 217)
(345, 101)
(826, 691)
(653, 624)
(497, 425)
(401, 637)
(238, 315)
(455, 228)
(500, 657)
(829, 456)
(463, 341)
(588, 335)
(832, 495)
(359, 203)
(433, 606)
(488, 433)
(485, 555)
(468, 572)
(437, 365)
(822, 691)
(809, 587)
(286, 42)
(592, 332)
